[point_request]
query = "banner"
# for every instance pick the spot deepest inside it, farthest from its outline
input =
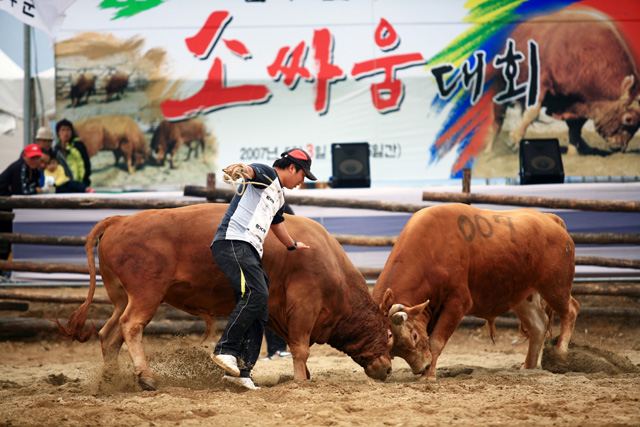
(432, 87)
(46, 15)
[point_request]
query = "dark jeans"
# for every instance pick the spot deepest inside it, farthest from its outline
(72, 187)
(243, 335)
(6, 226)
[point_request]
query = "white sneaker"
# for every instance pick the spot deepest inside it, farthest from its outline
(275, 355)
(227, 362)
(245, 382)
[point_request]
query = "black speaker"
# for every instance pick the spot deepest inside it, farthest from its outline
(540, 162)
(350, 163)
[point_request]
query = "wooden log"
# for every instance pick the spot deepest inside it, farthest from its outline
(596, 238)
(466, 180)
(211, 194)
(610, 289)
(607, 262)
(556, 203)
(64, 299)
(43, 267)
(609, 312)
(370, 272)
(7, 216)
(29, 326)
(39, 239)
(606, 238)
(320, 201)
(91, 203)
(13, 306)
(345, 239)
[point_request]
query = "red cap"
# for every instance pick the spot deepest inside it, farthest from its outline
(302, 159)
(33, 150)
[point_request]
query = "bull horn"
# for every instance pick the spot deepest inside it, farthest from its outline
(395, 308)
(417, 309)
(399, 318)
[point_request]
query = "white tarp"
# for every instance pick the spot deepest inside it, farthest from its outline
(11, 91)
(12, 106)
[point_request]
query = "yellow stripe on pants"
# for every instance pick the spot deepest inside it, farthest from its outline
(242, 283)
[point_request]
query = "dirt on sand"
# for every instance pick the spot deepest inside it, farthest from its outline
(46, 382)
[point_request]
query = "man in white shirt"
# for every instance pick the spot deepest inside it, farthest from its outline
(238, 247)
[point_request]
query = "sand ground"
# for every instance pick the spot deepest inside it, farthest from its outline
(46, 382)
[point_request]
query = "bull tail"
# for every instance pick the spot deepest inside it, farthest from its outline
(491, 325)
(74, 328)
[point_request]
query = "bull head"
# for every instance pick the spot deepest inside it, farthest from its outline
(619, 121)
(409, 327)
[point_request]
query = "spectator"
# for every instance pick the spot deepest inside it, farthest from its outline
(44, 138)
(22, 176)
(56, 177)
(74, 153)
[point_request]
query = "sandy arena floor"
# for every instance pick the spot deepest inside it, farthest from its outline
(46, 382)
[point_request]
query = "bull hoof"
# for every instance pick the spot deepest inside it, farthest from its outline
(147, 384)
(427, 378)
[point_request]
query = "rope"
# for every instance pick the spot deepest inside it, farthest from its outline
(234, 172)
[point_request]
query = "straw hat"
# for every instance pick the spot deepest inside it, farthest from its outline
(45, 133)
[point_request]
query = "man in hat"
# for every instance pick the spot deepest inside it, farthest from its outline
(44, 138)
(23, 175)
(237, 249)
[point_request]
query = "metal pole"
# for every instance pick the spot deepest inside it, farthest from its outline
(27, 85)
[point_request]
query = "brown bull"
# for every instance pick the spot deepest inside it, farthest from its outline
(81, 84)
(115, 84)
(169, 136)
(586, 72)
(157, 256)
(118, 133)
(455, 260)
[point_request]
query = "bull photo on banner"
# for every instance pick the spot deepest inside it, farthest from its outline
(163, 93)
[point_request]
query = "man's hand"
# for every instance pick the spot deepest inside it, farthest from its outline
(302, 246)
(237, 171)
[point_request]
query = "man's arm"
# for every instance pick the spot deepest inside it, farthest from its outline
(283, 235)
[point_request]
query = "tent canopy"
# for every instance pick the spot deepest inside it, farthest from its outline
(11, 88)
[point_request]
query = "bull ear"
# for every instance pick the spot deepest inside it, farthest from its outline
(387, 302)
(627, 84)
(416, 309)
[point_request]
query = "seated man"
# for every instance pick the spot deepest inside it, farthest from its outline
(23, 175)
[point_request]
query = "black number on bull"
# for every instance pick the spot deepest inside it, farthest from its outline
(468, 229)
(496, 218)
(462, 220)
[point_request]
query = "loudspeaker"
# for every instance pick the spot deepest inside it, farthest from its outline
(540, 162)
(350, 163)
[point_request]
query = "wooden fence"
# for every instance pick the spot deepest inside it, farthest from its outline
(625, 289)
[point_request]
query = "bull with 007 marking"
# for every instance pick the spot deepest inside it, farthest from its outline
(455, 260)
(155, 256)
